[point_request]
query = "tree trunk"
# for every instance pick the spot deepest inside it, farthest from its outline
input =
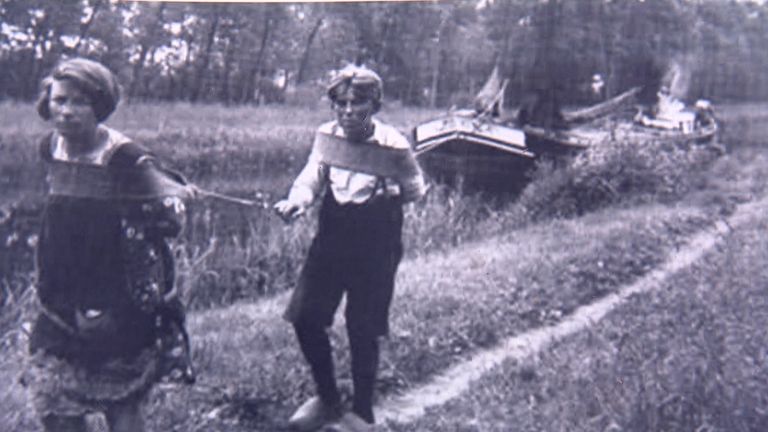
(203, 67)
(435, 78)
(385, 37)
(137, 71)
(182, 88)
(147, 93)
(437, 62)
(145, 48)
(256, 73)
(608, 42)
(84, 28)
(307, 49)
(229, 54)
(39, 43)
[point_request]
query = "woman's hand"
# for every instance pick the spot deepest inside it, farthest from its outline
(288, 210)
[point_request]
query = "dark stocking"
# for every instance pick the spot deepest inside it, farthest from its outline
(54, 423)
(316, 347)
(365, 362)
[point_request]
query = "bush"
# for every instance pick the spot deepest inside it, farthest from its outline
(614, 172)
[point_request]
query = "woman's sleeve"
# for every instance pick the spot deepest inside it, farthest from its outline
(165, 215)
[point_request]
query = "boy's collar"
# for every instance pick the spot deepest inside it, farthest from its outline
(375, 137)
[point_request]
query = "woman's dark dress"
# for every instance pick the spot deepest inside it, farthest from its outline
(105, 285)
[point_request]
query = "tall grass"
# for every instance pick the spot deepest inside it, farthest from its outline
(230, 252)
(689, 356)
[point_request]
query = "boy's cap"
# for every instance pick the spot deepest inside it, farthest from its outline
(360, 79)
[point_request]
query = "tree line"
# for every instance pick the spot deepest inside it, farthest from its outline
(432, 53)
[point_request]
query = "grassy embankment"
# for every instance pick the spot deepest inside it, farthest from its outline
(252, 377)
(452, 304)
(688, 356)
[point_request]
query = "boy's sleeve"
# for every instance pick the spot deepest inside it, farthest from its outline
(413, 187)
(309, 181)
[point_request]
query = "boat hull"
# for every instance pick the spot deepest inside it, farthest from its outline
(473, 166)
(475, 153)
(590, 135)
(481, 153)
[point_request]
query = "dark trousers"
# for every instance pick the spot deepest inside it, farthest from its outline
(356, 252)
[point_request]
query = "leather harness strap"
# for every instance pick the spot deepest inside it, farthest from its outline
(369, 158)
(113, 183)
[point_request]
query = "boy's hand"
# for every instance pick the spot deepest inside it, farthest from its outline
(288, 210)
(192, 192)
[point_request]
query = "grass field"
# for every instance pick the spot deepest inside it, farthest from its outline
(690, 356)
(478, 270)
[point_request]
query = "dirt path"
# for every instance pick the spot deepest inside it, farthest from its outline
(453, 382)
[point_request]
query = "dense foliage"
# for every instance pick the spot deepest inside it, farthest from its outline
(430, 53)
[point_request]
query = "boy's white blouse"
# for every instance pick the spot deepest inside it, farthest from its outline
(349, 186)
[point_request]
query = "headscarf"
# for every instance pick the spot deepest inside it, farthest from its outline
(93, 78)
(364, 82)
